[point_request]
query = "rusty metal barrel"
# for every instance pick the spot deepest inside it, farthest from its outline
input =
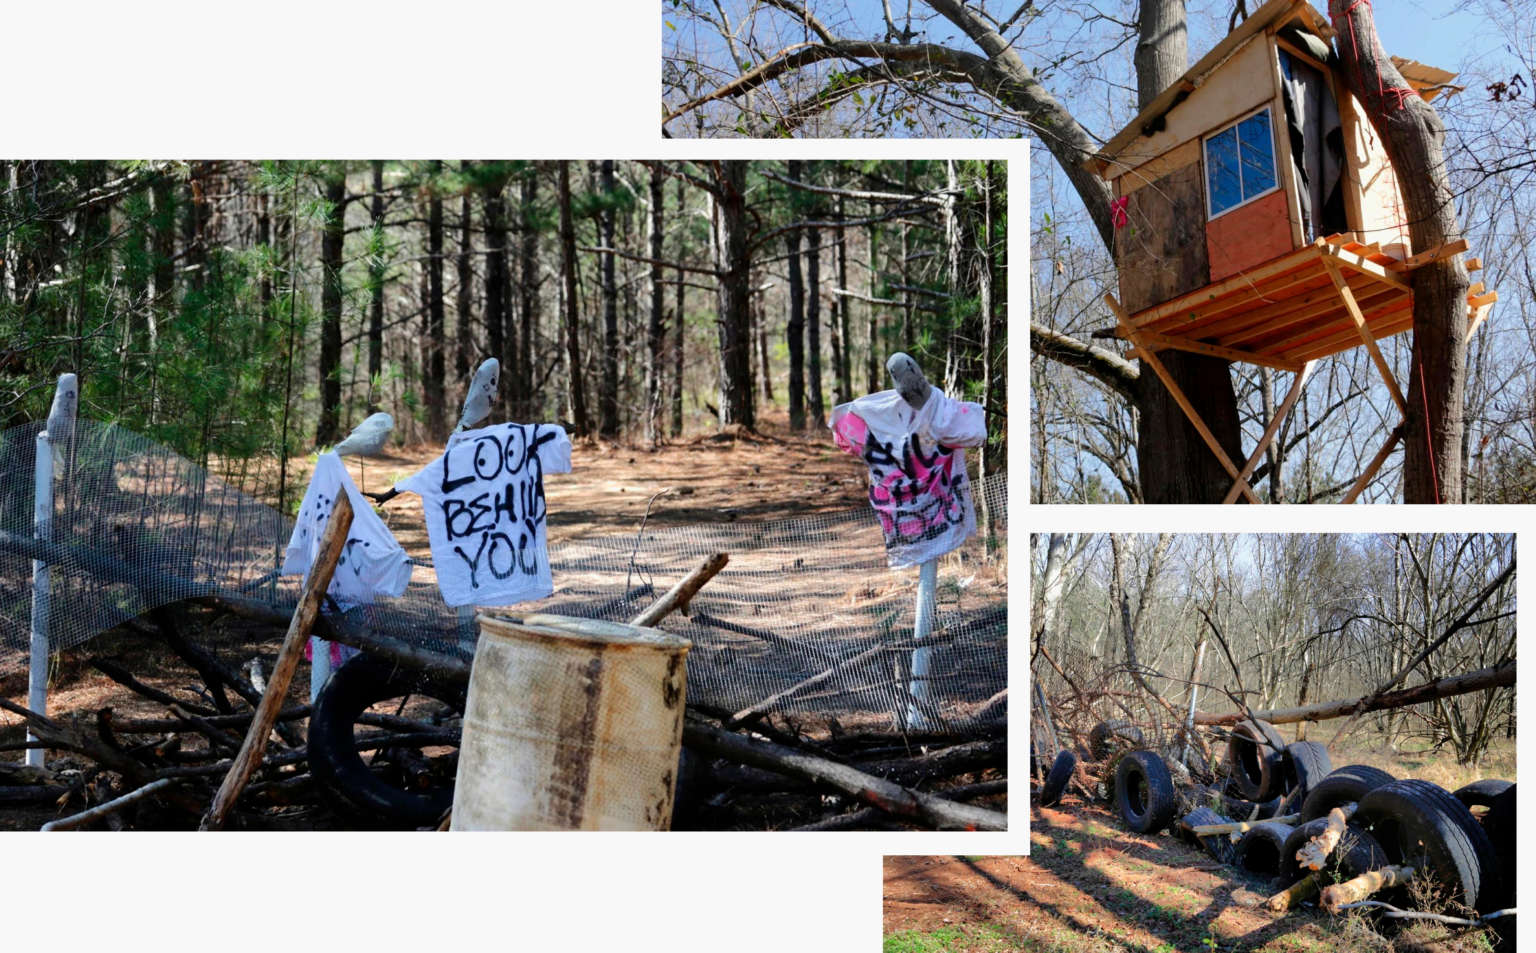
(570, 724)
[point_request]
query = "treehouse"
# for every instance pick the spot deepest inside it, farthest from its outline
(1258, 218)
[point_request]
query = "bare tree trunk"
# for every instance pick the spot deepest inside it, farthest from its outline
(331, 240)
(501, 334)
(1413, 135)
(376, 289)
(818, 413)
(872, 358)
(656, 331)
(434, 373)
(464, 352)
(794, 326)
(733, 262)
(521, 377)
(578, 399)
(680, 319)
(608, 393)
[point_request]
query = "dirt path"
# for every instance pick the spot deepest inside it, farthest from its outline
(1090, 886)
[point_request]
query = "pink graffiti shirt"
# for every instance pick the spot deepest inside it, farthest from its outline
(917, 481)
(483, 501)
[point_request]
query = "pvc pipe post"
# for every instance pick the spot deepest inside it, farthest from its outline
(919, 689)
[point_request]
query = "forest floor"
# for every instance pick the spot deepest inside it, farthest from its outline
(773, 474)
(1091, 886)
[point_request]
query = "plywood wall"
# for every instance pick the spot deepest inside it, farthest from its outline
(1161, 253)
(1373, 198)
(1249, 236)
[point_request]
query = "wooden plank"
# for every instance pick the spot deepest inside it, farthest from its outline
(1236, 284)
(1162, 255)
(1149, 172)
(1483, 300)
(1434, 254)
(1150, 359)
(1401, 321)
(1475, 319)
(1353, 308)
(1266, 292)
(1270, 431)
(1474, 264)
(1309, 316)
(1374, 465)
(1161, 342)
(1276, 299)
(1249, 236)
(1365, 266)
(331, 543)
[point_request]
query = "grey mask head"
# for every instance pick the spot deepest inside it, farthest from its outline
(910, 382)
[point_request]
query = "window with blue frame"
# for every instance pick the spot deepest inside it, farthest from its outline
(1240, 163)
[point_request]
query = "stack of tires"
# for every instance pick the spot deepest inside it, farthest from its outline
(1287, 791)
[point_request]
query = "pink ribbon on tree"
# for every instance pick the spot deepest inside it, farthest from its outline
(1117, 212)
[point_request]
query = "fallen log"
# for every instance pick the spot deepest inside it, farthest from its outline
(942, 763)
(107, 808)
(1500, 676)
(1303, 889)
(888, 796)
(331, 543)
(1314, 853)
(31, 793)
(1352, 891)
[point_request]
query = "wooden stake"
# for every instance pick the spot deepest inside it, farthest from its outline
(304, 615)
(678, 596)
(1353, 891)
(1271, 430)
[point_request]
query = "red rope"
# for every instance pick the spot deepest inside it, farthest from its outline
(1429, 445)
(1403, 93)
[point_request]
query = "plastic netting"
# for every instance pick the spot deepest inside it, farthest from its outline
(806, 616)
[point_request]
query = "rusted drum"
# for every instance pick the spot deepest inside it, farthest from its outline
(570, 724)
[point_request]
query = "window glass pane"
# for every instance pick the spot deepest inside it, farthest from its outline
(1258, 154)
(1223, 178)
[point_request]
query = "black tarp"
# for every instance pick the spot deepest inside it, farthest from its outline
(1317, 147)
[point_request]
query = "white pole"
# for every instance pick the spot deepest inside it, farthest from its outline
(42, 530)
(59, 432)
(319, 666)
(919, 689)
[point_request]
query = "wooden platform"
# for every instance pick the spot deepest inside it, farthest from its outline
(1291, 310)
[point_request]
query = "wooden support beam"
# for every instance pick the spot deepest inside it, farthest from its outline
(1496, 677)
(1434, 254)
(1475, 317)
(1269, 432)
(1150, 359)
(1162, 342)
(1358, 262)
(1478, 301)
(331, 543)
(1374, 465)
(1302, 320)
(1364, 329)
(1243, 281)
(1474, 264)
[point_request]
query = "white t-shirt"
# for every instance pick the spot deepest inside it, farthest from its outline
(917, 481)
(372, 564)
(483, 500)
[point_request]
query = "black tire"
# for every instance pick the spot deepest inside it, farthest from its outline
(1346, 785)
(1256, 760)
(1309, 764)
(1218, 846)
(337, 766)
(1244, 810)
(1056, 781)
(1481, 793)
(1107, 737)
(1357, 853)
(1259, 849)
(1419, 823)
(1144, 792)
(1499, 824)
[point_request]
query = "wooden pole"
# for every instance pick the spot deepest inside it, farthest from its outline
(1239, 827)
(1374, 465)
(1270, 431)
(304, 615)
(678, 596)
(1294, 894)
(110, 807)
